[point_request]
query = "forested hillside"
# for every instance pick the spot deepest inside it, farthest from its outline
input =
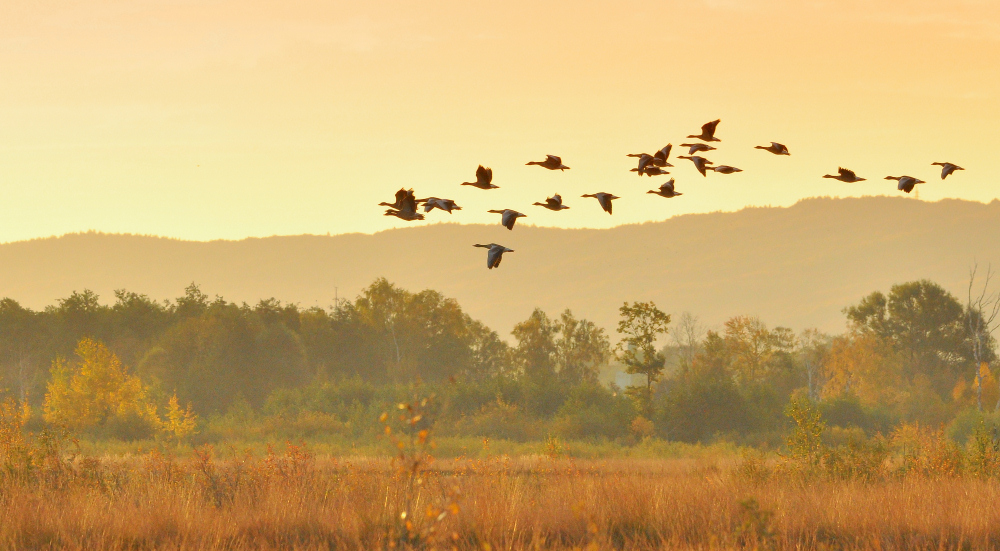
(797, 266)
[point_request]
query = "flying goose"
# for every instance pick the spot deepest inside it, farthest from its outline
(553, 203)
(551, 162)
(661, 157)
(699, 162)
(947, 169)
(484, 179)
(775, 147)
(508, 218)
(404, 214)
(650, 171)
(725, 169)
(845, 175)
(697, 147)
(906, 183)
(495, 255)
(604, 199)
(402, 197)
(432, 203)
(666, 190)
(708, 132)
(644, 161)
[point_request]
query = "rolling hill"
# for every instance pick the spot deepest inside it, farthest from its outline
(797, 266)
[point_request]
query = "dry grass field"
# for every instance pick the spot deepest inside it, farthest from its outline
(289, 499)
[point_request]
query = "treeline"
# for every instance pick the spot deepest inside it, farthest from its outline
(915, 354)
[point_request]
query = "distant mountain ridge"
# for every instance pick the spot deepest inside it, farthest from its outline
(797, 266)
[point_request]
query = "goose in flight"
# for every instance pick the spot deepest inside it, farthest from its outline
(845, 175)
(644, 161)
(650, 171)
(402, 197)
(508, 218)
(432, 203)
(553, 203)
(697, 147)
(661, 157)
(551, 162)
(947, 169)
(699, 162)
(604, 199)
(906, 183)
(404, 214)
(495, 255)
(708, 132)
(775, 147)
(484, 179)
(725, 169)
(666, 190)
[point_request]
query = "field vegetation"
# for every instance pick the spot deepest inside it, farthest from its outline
(396, 421)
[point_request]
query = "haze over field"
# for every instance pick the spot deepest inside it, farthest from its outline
(797, 266)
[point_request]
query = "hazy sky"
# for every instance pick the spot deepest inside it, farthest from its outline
(206, 119)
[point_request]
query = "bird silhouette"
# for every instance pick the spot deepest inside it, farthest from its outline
(697, 147)
(402, 197)
(650, 171)
(551, 162)
(662, 157)
(666, 190)
(775, 147)
(484, 179)
(495, 254)
(699, 162)
(604, 199)
(725, 169)
(553, 203)
(708, 132)
(947, 169)
(432, 203)
(845, 175)
(508, 218)
(906, 183)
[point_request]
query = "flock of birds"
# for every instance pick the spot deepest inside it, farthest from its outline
(406, 205)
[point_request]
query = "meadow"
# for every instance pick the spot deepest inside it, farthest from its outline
(915, 489)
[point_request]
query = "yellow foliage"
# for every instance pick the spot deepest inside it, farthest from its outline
(862, 365)
(94, 388)
(991, 389)
(180, 423)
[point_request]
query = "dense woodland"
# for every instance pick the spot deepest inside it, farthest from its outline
(912, 354)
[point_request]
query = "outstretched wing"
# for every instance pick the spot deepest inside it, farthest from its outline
(409, 201)
(484, 175)
(493, 257)
(553, 159)
(555, 200)
(665, 152)
(845, 173)
(708, 129)
(400, 197)
(667, 187)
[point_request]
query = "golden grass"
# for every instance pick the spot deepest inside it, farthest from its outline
(291, 500)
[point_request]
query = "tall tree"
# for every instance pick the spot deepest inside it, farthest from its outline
(982, 316)
(582, 348)
(641, 324)
(536, 347)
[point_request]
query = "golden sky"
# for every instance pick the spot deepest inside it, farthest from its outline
(205, 119)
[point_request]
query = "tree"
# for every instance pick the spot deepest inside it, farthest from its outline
(751, 346)
(687, 336)
(581, 349)
(641, 323)
(982, 311)
(536, 347)
(814, 349)
(925, 324)
(94, 389)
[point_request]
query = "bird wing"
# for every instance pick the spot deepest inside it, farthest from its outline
(643, 161)
(555, 200)
(553, 159)
(409, 202)
(483, 174)
(708, 129)
(508, 218)
(665, 152)
(847, 173)
(493, 257)
(400, 197)
(668, 186)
